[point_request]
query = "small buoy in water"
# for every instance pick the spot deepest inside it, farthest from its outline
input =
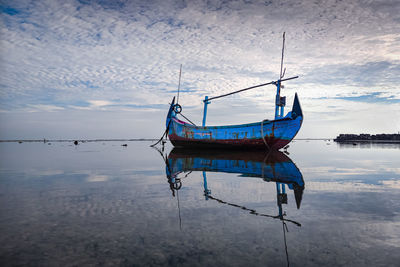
(20, 142)
(125, 145)
(75, 142)
(354, 144)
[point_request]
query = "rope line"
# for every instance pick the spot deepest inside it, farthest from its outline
(164, 134)
(187, 119)
(262, 134)
(252, 211)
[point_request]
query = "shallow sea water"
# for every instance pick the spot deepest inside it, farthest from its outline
(100, 203)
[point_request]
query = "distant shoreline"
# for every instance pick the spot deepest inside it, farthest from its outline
(368, 138)
(79, 140)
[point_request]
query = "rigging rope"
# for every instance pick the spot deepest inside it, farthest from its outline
(188, 119)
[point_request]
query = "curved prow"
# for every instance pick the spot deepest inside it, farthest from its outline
(170, 112)
(296, 109)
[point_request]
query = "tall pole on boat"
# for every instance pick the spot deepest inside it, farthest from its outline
(280, 101)
(206, 102)
(283, 50)
(179, 83)
(277, 99)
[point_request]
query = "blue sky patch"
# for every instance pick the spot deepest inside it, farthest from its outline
(368, 74)
(370, 98)
(10, 11)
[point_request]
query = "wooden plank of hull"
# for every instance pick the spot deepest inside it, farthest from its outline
(277, 134)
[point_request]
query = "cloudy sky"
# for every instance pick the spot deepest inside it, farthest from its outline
(108, 69)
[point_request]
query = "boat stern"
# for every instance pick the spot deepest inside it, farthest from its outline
(296, 109)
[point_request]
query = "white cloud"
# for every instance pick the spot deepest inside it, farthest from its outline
(347, 187)
(48, 108)
(99, 103)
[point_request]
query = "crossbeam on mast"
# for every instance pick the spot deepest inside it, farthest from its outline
(248, 88)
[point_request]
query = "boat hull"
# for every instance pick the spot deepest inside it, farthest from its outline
(274, 134)
(277, 134)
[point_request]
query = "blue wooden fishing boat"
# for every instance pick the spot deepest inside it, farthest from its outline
(274, 134)
(271, 134)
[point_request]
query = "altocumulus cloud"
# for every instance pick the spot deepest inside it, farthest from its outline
(79, 60)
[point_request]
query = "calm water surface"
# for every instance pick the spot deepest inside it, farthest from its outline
(99, 203)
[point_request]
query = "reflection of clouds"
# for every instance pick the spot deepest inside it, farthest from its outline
(352, 186)
(97, 178)
(341, 187)
(93, 176)
(45, 172)
(392, 183)
(330, 171)
(394, 170)
(93, 223)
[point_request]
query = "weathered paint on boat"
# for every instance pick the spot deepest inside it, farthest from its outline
(273, 134)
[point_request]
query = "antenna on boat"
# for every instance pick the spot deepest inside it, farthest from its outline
(179, 84)
(283, 50)
(280, 101)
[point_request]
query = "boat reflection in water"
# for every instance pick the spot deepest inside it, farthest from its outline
(271, 166)
(274, 166)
